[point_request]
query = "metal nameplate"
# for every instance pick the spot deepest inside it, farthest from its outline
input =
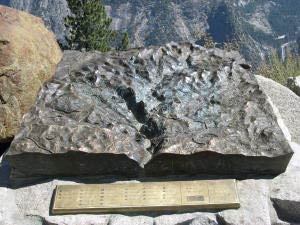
(145, 196)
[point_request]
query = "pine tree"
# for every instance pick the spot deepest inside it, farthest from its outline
(125, 42)
(89, 26)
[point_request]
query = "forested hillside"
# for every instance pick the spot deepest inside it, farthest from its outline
(260, 25)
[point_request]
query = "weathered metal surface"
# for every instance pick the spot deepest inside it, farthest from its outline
(179, 109)
(147, 196)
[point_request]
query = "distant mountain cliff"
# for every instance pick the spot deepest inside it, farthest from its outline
(52, 12)
(261, 24)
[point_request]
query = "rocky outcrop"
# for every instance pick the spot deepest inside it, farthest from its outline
(28, 56)
(287, 200)
(287, 102)
(52, 12)
(176, 109)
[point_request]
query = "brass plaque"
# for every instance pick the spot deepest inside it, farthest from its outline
(146, 196)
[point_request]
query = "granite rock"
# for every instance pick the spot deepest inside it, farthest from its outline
(285, 190)
(178, 109)
(52, 12)
(294, 164)
(127, 220)
(255, 205)
(203, 218)
(285, 197)
(29, 54)
(287, 103)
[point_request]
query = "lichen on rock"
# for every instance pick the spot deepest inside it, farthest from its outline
(29, 54)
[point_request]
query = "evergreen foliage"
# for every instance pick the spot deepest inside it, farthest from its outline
(89, 26)
(278, 70)
(125, 42)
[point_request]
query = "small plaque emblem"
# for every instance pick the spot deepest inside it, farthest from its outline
(195, 198)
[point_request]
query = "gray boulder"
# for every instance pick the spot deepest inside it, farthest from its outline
(285, 196)
(255, 206)
(196, 218)
(126, 220)
(287, 103)
(171, 110)
(285, 190)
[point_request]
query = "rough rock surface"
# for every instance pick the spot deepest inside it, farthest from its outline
(285, 190)
(30, 205)
(255, 208)
(287, 102)
(4, 147)
(286, 196)
(29, 54)
(176, 109)
(52, 12)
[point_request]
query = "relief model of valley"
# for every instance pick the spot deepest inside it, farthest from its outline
(170, 110)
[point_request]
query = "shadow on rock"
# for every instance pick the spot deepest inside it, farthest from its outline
(4, 146)
(4, 173)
